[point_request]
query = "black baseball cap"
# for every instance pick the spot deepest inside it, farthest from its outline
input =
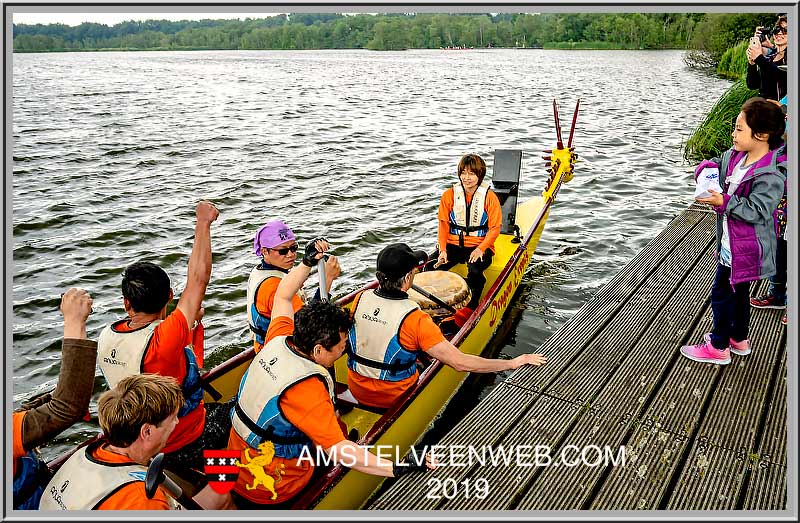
(398, 259)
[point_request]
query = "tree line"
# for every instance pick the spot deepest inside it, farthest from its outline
(377, 32)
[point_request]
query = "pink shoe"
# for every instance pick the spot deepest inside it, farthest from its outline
(706, 353)
(740, 348)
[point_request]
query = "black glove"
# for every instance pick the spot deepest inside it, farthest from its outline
(410, 465)
(310, 257)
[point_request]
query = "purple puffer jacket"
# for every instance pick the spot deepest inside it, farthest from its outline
(750, 211)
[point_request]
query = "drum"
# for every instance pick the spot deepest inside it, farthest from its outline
(445, 285)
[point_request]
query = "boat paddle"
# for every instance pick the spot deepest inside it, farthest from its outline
(155, 477)
(323, 292)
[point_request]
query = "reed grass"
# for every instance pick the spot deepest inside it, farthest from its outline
(713, 136)
(733, 64)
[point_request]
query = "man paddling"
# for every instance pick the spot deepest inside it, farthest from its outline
(285, 401)
(390, 332)
(276, 244)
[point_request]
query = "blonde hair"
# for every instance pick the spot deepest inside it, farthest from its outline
(136, 400)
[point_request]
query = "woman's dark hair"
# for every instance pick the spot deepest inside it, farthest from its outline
(319, 322)
(475, 164)
(146, 286)
(765, 117)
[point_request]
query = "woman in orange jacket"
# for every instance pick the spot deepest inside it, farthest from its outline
(470, 218)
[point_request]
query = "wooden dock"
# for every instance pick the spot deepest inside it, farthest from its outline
(696, 436)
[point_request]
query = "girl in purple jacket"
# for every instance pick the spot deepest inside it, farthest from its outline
(752, 175)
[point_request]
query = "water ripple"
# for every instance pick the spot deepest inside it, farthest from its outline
(355, 145)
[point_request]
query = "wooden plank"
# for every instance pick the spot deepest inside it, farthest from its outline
(651, 457)
(624, 396)
(588, 321)
(628, 334)
(767, 487)
(622, 310)
(732, 419)
(772, 446)
(506, 402)
(710, 479)
(541, 425)
(671, 423)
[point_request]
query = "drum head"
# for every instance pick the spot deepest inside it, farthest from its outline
(445, 285)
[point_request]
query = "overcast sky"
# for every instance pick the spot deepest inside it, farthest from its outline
(110, 18)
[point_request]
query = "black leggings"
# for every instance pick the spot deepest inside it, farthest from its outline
(475, 278)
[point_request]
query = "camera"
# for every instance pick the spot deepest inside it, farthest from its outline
(764, 33)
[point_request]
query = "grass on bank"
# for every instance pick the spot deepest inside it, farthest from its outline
(733, 64)
(713, 136)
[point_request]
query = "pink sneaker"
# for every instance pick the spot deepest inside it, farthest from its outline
(706, 353)
(740, 348)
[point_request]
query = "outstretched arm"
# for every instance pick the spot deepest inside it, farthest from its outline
(448, 354)
(199, 272)
(359, 458)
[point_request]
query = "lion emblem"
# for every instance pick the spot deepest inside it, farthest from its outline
(258, 468)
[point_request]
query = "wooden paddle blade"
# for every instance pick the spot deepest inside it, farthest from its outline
(560, 144)
(572, 127)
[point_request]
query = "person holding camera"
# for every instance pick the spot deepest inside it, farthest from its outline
(767, 73)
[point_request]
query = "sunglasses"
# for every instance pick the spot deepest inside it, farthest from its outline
(285, 250)
(778, 30)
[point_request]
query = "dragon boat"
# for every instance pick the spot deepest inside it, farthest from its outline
(406, 422)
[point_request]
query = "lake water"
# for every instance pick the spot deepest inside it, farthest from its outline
(113, 150)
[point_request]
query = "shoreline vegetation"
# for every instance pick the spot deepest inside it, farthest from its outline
(714, 42)
(382, 32)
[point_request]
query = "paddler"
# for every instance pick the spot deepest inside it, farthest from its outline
(49, 414)
(137, 417)
(470, 218)
(276, 244)
(284, 408)
(150, 341)
(390, 332)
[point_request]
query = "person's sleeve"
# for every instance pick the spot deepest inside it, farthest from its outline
(445, 206)
(764, 197)
(18, 449)
(427, 332)
(495, 213)
(266, 296)
(280, 326)
(133, 497)
(169, 340)
(753, 78)
(71, 397)
(308, 407)
(297, 302)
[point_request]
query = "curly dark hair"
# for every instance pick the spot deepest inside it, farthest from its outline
(146, 286)
(765, 117)
(320, 322)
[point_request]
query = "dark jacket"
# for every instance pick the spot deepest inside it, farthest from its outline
(765, 76)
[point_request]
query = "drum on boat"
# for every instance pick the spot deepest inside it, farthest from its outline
(445, 285)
